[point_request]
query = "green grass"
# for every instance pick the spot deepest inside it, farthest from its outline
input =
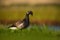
(34, 33)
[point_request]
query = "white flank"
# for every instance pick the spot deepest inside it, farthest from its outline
(13, 28)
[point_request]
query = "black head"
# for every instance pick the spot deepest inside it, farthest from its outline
(30, 13)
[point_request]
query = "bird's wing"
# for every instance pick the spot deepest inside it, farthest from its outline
(17, 23)
(20, 26)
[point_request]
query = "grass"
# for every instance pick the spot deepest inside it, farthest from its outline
(35, 32)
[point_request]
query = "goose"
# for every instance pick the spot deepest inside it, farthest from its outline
(22, 24)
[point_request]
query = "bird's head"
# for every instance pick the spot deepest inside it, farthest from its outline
(30, 13)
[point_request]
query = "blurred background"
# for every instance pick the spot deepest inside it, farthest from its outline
(45, 11)
(45, 22)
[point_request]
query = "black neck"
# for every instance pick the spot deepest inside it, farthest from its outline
(27, 17)
(26, 20)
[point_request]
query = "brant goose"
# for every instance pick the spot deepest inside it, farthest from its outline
(22, 24)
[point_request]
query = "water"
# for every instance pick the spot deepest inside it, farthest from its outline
(50, 27)
(56, 28)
